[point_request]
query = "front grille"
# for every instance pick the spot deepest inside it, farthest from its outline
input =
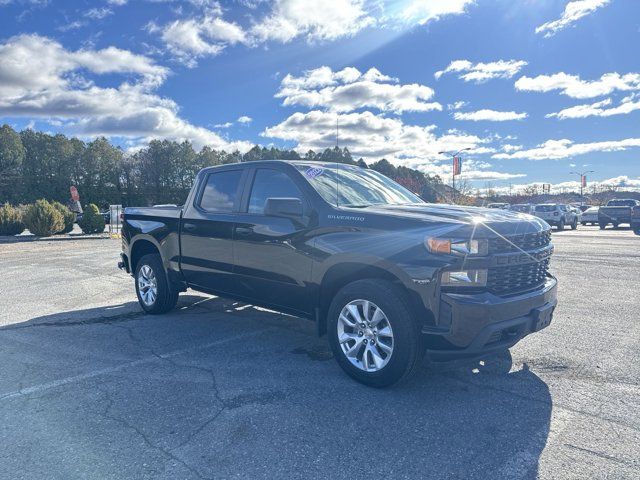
(517, 278)
(517, 243)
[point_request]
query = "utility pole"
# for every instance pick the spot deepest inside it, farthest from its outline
(583, 182)
(454, 156)
(337, 131)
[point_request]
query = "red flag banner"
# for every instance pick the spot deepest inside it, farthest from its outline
(457, 165)
(74, 193)
(584, 181)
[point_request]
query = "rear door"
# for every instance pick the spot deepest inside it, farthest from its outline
(207, 231)
(272, 264)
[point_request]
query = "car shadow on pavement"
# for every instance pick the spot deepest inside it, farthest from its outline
(217, 388)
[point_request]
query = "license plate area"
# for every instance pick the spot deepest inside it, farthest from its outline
(542, 317)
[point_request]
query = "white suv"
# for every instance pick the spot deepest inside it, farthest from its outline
(557, 215)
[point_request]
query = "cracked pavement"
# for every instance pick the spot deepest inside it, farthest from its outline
(92, 388)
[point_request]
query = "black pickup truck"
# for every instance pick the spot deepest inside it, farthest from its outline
(384, 274)
(616, 212)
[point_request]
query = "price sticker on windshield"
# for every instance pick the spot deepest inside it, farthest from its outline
(314, 172)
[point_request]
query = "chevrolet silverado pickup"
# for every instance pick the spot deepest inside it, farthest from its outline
(616, 211)
(385, 275)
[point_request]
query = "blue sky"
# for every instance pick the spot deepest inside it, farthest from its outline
(536, 88)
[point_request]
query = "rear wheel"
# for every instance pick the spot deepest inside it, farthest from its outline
(616, 225)
(584, 224)
(574, 225)
(602, 225)
(560, 225)
(373, 334)
(154, 292)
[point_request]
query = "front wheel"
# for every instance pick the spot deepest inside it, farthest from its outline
(373, 334)
(602, 225)
(154, 292)
(584, 224)
(574, 225)
(560, 226)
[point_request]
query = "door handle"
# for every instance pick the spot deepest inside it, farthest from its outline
(244, 230)
(190, 227)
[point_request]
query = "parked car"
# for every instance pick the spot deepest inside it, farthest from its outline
(503, 206)
(384, 274)
(522, 208)
(616, 212)
(635, 220)
(558, 215)
(590, 216)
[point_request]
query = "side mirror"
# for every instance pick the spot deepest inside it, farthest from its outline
(283, 207)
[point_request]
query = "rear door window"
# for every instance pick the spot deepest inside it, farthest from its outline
(221, 192)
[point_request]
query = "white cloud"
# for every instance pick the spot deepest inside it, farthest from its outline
(283, 21)
(482, 72)
(509, 148)
(98, 13)
(573, 12)
(599, 109)
(117, 3)
(457, 105)
(425, 11)
(41, 79)
(623, 181)
(325, 20)
(245, 119)
(564, 148)
(191, 39)
(573, 86)
(371, 136)
(348, 90)
(489, 115)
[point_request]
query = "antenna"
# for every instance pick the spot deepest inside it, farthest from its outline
(337, 164)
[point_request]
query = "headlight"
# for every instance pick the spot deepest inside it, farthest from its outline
(464, 278)
(462, 247)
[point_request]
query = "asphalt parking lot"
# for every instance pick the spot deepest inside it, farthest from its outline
(92, 388)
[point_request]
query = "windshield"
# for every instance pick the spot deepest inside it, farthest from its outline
(621, 203)
(545, 208)
(347, 186)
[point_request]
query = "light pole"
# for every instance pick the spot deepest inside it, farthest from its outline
(453, 170)
(582, 182)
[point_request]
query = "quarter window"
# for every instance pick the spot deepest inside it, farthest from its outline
(221, 191)
(271, 184)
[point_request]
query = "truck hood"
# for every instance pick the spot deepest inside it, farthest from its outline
(499, 221)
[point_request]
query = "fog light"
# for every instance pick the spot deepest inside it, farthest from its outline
(464, 278)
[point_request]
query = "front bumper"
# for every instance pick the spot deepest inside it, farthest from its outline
(475, 324)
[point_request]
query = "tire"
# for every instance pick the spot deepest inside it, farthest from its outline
(560, 226)
(602, 225)
(636, 231)
(616, 225)
(150, 270)
(574, 225)
(584, 224)
(405, 341)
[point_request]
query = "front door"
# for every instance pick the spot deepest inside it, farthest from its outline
(270, 253)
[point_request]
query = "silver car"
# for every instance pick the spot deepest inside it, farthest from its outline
(590, 216)
(557, 215)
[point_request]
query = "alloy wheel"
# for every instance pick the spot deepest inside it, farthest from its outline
(365, 335)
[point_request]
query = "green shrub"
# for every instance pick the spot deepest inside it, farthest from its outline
(43, 219)
(92, 221)
(68, 217)
(10, 220)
